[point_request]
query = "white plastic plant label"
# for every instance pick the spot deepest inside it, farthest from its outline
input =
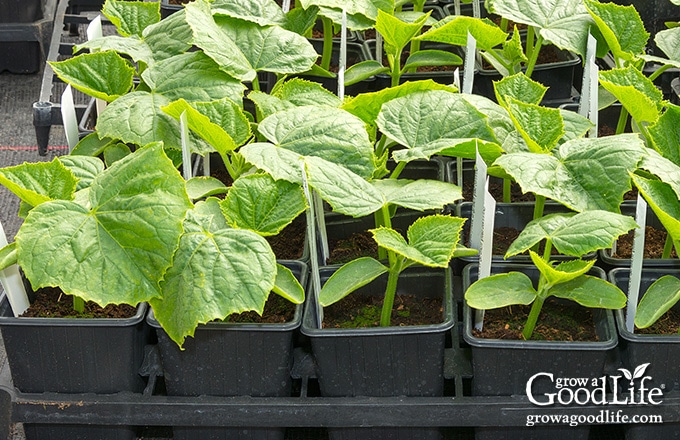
(636, 262)
(485, 221)
(285, 6)
(469, 70)
(186, 152)
(343, 56)
(12, 283)
(313, 251)
(94, 31)
(69, 118)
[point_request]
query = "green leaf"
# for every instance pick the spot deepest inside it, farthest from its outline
(301, 20)
(573, 234)
(663, 294)
(664, 202)
(215, 272)
(575, 125)
(666, 170)
(454, 30)
(137, 118)
(540, 127)
(39, 182)
(396, 33)
(8, 256)
(419, 194)
(432, 58)
(104, 75)
(133, 46)
(287, 286)
(499, 121)
(348, 278)
(131, 17)
(270, 48)
(302, 92)
(367, 105)
(369, 8)
(169, 37)
(665, 133)
(465, 148)
(91, 145)
(84, 168)
(327, 132)
(565, 271)
(432, 240)
(564, 23)
(636, 92)
(500, 290)
(346, 192)
(259, 203)
(432, 119)
(584, 174)
(277, 162)
(590, 292)
(118, 250)
(363, 70)
(262, 12)
(519, 87)
(115, 152)
(200, 187)
(668, 40)
(621, 27)
(356, 22)
(267, 104)
(193, 77)
(216, 43)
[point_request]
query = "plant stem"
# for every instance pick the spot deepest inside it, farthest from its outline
(396, 69)
(504, 24)
(538, 207)
(667, 247)
(623, 120)
(659, 71)
(327, 43)
(78, 304)
(533, 317)
(256, 83)
(398, 169)
(387, 222)
(507, 187)
(547, 250)
(380, 148)
(529, 50)
(390, 291)
(534, 55)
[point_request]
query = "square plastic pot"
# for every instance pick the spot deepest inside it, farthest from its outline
(85, 355)
(355, 54)
(231, 359)
(384, 361)
(503, 367)
(25, 29)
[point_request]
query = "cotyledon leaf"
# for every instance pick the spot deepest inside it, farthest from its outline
(348, 278)
(663, 294)
(500, 290)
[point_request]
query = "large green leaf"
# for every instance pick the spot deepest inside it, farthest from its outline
(432, 240)
(621, 27)
(668, 40)
(132, 46)
(454, 30)
(348, 278)
(575, 125)
(520, 87)
(261, 204)
(432, 119)
(540, 127)
(590, 292)
(200, 187)
(563, 272)
(84, 168)
(564, 23)
(278, 162)
(396, 33)
(663, 294)
(583, 174)
(636, 92)
(270, 48)
(419, 194)
(331, 133)
(131, 18)
(498, 119)
(216, 43)
(664, 202)
(573, 234)
(215, 272)
(39, 182)
(194, 77)
(665, 133)
(118, 250)
(169, 37)
(137, 118)
(262, 12)
(369, 8)
(104, 75)
(664, 169)
(301, 92)
(500, 290)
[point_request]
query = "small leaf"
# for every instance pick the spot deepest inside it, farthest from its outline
(348, 278)
(590, 292)
(660, 297)
(262, 12)
(419, 194)
(500, 290)
(131, 18)
(91, 145)
(424, 58)
(363, 70)
(8, 256)
(540, 127)
(519, 87)
(621, 27)
(665, 133)
(169, 37)
(564, 272)
(636, 92)
(116, 152)
(626, 373)
(277, 162)
(287, 286)
(454, 30)
(200, 187)
(301, 92)
(84, 168)
(397, 33)
(664, 202)
(36, 183)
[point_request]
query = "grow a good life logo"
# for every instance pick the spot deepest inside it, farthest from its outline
(629, 388)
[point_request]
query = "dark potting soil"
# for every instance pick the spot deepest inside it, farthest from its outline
(655, 239)
(356, 311)
(549, 54)
(668, 324)
(557, 322)
(289, 244)
(496, 191)
(503, 237)
(360, 244)
(50, 302)
(277, 310)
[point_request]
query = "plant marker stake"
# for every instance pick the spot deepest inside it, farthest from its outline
(69, 118)
(636, 263)
(378, 46)
(285, 6)
(11, 282)
(314, 255)
(584, 104)
(94, 31)
(186, 154)
(343, 56)
(456, 7)
(476, 9)
(321, 222)
(206, 165)
(468, 70)
(487, 223)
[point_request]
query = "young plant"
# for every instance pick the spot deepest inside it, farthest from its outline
(573, 234)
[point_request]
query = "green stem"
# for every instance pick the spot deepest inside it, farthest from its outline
(623, 120)
(547, 250)
(327, 43)
(380, 148)
(504, 24)
(500, 60)
(659, 71)
(396, 69)
(529, 50)
(256, 83)
(78, 304)
(390, 291)
(397, 170)
(668, 247)
(228, 165)
(533, 318)
(534, 56)
(507, 188)
(386, 221)
(538, 207)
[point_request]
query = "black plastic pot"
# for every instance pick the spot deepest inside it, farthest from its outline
(661, 351)
(75, 356)
(25, 28)
(231, 359)
(355, 54)
(654, 14)
(466, 9)
(607, 118)
(503, 367)
(384, 361)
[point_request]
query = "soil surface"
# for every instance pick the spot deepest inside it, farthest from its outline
(557, 322)
(668, 324)
(355, 311)
(360, 244)
(496, 191)
(277, 310)
(289, 244)
(50, 302)
(655, 239)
